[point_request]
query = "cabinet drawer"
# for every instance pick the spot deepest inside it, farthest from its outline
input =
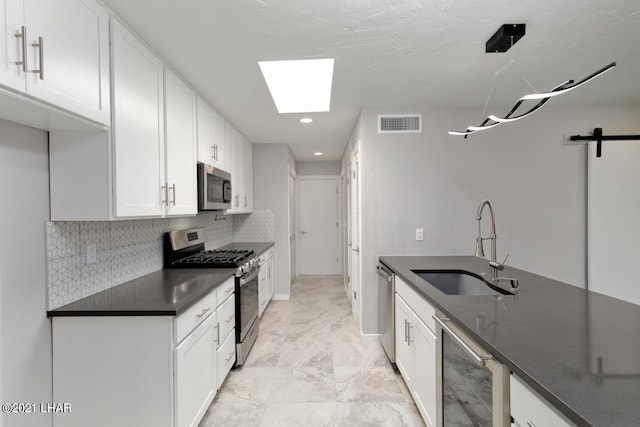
(530, 410)
(226, 318)
(197, 313)
(226, 357)
(225, 290)
(418, 304)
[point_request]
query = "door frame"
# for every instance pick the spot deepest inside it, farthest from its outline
(336, 179)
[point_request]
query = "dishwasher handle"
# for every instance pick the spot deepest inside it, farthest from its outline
(384, 271)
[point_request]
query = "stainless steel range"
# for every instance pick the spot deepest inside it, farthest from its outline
(185, 249)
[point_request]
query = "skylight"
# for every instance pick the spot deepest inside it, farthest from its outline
(302, 86)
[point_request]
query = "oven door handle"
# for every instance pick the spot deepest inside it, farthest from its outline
(480, 359)
(244, 280)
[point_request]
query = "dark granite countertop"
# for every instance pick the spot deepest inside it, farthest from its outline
(161, 293)
(580, 350)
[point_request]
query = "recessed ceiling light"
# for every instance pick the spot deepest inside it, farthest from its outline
(317, 153)
(302, 86)
(306, 120)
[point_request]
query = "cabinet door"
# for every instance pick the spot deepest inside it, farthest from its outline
(11, 22)
(195, 374)
(226, 357)
(232, 138)
(74, 57)
(211, 137)
(248, 174)
(423, 341)
(263, 288)
(138, 126)
(403, 349)
(270, 280)
(180, 153)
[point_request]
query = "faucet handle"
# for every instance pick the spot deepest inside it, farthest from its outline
(505, 258)
(496, 265)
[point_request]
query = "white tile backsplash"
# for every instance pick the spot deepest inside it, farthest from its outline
(254, 227)
(131, 248)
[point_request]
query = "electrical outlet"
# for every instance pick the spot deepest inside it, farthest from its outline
(419, 234)
(92, 256)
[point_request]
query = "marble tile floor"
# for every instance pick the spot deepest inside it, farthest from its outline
(310, 367)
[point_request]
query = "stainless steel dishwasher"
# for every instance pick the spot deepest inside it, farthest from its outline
(386, 312)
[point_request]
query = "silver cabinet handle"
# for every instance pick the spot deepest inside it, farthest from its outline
(409, 334)
(530, 424)
(229, 318)
(22, 34)
(405, 329)
(480, 359)
(229, 358)
(226, 291)
(40, 46)
(213, 152)
(166, 194)
(217, 333)
(203, 312)
(173, 188)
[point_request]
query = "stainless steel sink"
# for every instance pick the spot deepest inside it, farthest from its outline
(459, 283)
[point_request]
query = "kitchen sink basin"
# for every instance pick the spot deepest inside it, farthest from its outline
(459, 283)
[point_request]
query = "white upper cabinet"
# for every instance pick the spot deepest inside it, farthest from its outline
(138, 127)
(180, 120)
(212, 146)
(241, 171)
(58, 52)
(11, 53)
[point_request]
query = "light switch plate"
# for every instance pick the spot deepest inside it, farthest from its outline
(419, 234)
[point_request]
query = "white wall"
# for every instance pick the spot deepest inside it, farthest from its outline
(271, 192)
(435, 181)
(25, 336)
(319, 168)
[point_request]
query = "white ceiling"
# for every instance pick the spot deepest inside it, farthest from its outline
(391, 54)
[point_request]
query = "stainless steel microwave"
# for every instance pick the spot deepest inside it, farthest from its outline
(214, 188)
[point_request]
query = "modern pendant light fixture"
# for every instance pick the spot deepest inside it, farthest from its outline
(501, 41)
(543, 98)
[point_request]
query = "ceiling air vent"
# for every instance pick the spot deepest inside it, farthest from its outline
(400, 123)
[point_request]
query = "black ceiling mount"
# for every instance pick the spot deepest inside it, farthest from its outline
(505, 37)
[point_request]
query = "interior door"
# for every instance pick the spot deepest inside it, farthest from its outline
(356, 267)
(318, 219)
(613, 212)
(292, 228)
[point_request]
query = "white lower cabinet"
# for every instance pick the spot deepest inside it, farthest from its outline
(530, 410)
(159, 371)
(265, 281)
(416, 350)
(226, 357)
(195, 373)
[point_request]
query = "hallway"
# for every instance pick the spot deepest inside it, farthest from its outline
(309, 367)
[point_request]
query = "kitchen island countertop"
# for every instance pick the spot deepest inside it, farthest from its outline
(580, 350)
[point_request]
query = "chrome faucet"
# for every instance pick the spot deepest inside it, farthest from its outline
(493, 262)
